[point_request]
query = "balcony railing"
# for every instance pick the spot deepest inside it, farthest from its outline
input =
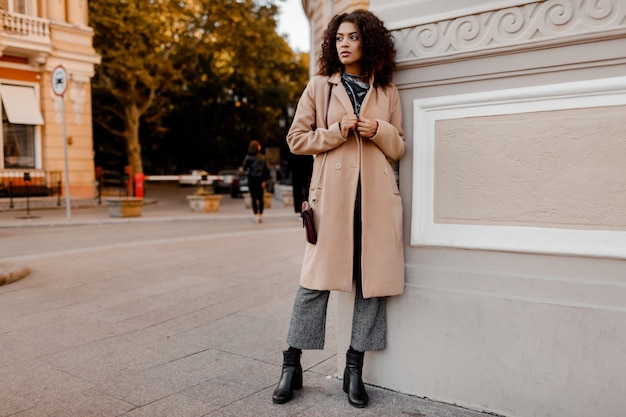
(25, 25)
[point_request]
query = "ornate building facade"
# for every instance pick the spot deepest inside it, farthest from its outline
(515, 204)
(36, 36)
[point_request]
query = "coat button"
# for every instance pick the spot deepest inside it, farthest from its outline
(338, 165)
(386, 171)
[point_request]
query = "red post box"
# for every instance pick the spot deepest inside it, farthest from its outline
(139, 180)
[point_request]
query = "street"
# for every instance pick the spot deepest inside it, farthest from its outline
(172, 317)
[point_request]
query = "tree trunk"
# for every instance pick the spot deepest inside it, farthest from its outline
(131, 134)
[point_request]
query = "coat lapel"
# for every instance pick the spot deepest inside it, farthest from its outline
(340, 93)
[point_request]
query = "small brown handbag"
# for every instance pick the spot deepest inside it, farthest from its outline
(308, 223)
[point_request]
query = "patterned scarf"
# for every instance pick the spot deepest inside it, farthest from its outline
(356, 91)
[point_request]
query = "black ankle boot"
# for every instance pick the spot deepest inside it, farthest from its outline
(353, 379)
(291, 378)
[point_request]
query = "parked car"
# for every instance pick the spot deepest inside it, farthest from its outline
(231, 181)
(241, 186)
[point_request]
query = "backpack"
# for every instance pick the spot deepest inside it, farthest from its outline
(256, 167)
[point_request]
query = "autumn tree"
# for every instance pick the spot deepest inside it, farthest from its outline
(237, 93)
(138, 41)
(202, 69)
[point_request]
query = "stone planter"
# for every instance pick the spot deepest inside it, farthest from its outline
(247, 200)
(284, 193)
(204, 203)
(287, 195)
(125, 206)
(267, 200)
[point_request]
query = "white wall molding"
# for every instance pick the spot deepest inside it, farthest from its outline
(537, 24)
(588, 293)
(425, 232)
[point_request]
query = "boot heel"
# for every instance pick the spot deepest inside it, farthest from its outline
(297, 379)
(290, 378)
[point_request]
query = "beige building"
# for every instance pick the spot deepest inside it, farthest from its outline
(36, 36)
(514, 189)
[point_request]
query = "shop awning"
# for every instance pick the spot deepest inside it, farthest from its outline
(21, 105)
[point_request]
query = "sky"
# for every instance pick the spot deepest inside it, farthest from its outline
(293, 22)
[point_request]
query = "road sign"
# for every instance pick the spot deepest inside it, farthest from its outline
(59, 85)
(59, 80)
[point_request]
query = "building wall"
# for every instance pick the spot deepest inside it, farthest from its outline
(319, 13)
(54, 33)
(515, 216)
(73, 50)
(532, 169)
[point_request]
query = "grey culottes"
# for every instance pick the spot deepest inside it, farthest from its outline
(307, 329)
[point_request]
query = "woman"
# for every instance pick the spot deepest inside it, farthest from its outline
(349, 116)
(256, 170)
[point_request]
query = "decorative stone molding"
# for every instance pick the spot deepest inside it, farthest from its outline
(77, 97)
(57, 103)
(538, 23)
(556, 240)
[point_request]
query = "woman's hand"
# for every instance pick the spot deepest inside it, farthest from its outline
(367, 128)
(348, 123)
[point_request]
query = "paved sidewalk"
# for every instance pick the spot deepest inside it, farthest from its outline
(173, 314)
(162, 201)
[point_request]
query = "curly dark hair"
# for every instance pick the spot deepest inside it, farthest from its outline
(376, 41)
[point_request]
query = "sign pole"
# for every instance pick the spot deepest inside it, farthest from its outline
(68, 204)
(59, 85)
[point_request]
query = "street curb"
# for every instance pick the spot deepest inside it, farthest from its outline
(11, 272)
(142, 219)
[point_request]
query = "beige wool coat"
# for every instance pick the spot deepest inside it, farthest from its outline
(327, 265)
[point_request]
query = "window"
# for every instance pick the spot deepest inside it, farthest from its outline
(14, 6)
(18, 144)
(19, 6)
(20, 115)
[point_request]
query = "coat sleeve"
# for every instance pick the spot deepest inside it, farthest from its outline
(308, 134)
(246, 164)
(390, 136)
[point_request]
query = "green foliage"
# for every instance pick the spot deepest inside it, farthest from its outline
(201, 77)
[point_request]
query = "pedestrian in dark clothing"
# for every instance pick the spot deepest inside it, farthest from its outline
(301, 167)
(256, 169)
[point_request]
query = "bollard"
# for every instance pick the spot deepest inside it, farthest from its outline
(26, 182)
(11, 194)
(139, 182)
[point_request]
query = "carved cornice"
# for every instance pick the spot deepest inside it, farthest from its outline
(533, 25)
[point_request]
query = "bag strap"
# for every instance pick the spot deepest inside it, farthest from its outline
(319, 177)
